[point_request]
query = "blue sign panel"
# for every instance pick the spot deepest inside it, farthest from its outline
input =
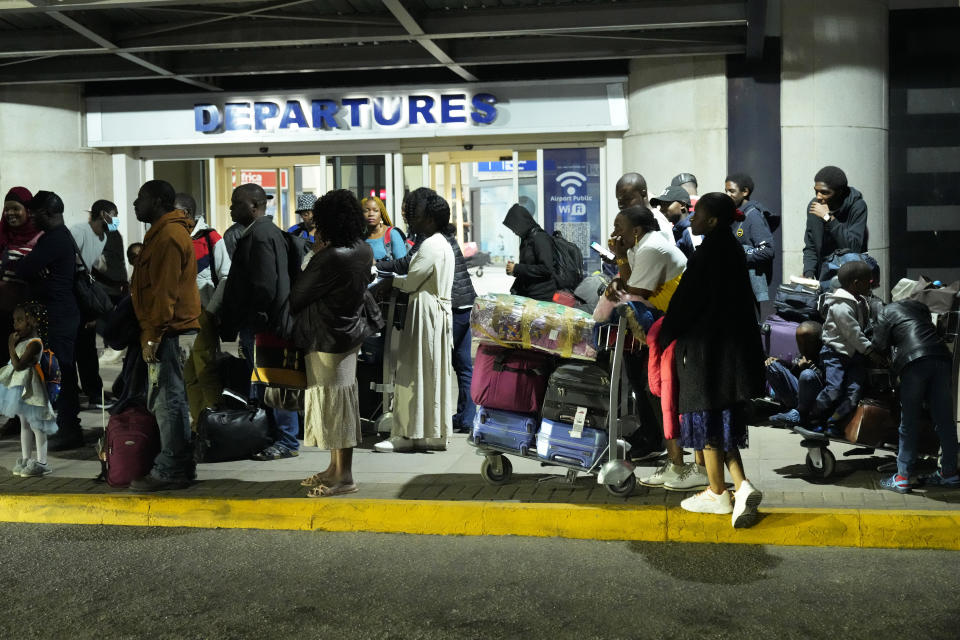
(571, 197)
(506, 166)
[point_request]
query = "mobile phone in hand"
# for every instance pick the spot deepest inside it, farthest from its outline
(602, 250)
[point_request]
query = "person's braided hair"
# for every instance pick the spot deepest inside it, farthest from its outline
(38, 312)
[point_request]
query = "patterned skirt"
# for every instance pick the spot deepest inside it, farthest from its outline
(724, 429)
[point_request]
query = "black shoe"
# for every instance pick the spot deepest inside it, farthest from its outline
(10, 428)
(149, 484)
(460, 428)
(61, 441)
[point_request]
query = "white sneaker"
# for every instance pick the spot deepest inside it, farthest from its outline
(745, 503)
(394, 444)
(708, 502)
(690, 477)
(656, 479)
(430, 444)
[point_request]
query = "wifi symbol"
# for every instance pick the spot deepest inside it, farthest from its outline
(571, 181)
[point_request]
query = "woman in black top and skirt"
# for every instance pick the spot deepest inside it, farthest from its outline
(719, 359)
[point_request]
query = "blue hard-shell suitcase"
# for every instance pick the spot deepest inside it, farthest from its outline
(557, 442)
(517, 431)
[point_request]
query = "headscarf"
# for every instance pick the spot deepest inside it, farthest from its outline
(26, 234)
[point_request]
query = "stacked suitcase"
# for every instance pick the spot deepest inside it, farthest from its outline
(528, 405)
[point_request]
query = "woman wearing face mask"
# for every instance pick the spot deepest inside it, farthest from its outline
(91, 239)
(386, 240)
(18, 235)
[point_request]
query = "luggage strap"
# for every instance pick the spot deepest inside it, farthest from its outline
(499, 365)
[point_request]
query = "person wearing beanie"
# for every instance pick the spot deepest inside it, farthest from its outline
(836, 219)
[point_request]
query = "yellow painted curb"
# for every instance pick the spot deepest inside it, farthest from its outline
(805, 527)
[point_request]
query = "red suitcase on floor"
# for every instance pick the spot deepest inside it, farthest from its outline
(132, 443)
(780, 338)
(510, 379)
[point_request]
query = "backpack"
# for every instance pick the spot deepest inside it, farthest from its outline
(48, 368)
(567, 262)
(833, 262)
(213, 262)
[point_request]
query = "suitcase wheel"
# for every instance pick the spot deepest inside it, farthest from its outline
(625, 488)
(496, 470)
(821, 462)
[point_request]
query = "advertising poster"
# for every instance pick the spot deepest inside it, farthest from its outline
(571, 198)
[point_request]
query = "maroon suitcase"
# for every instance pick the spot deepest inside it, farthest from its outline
(132, 443)
(780, 338)
(510, 379)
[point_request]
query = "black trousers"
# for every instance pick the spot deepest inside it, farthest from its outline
(88, 364)
(62, 340)
(650, 434)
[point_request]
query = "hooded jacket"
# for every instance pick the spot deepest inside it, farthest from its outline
(534, 270)
(164, 285)
(205, 237)
(907, 329)
(846, 229)
(757, 242)
(847, 318)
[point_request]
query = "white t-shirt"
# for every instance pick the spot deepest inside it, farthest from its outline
(653, 261)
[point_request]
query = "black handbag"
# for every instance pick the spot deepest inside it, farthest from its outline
(231, 434)
(93, 300)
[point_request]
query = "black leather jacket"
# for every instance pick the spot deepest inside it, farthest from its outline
(331, 313)
(906, 329)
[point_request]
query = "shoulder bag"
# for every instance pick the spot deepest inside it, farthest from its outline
(91, 297)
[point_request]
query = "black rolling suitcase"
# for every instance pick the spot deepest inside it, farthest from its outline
(576, 385)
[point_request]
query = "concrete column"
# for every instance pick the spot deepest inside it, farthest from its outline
(678, 121)
(833, 111)
(41, 137)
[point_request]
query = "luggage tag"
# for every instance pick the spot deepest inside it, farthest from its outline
(578, 421)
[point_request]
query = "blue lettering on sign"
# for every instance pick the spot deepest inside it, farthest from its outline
(263, 111)
(454, 108)
(421, 105)
(206, 118)
(502, 166)
(236, 116)
(575, 209)
(448, 108)
(354, 104)
(323, 114)
(293, 114)
(383, 120)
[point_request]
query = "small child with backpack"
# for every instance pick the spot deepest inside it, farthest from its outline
(23, 389)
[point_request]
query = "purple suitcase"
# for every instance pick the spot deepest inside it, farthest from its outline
(517, 431)
(780, 338)
(556, 442)
(510, 379)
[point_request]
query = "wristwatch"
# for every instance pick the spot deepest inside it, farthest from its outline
(827, 218)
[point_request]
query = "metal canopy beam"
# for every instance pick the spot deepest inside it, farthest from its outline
(407, 22)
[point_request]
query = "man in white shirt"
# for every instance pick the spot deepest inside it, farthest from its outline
(91, 238)
(631, 190)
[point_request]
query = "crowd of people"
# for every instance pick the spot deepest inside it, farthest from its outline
(703, 263)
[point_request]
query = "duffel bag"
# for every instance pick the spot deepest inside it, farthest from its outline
(510, 379)
(797, 303)
(231, 434)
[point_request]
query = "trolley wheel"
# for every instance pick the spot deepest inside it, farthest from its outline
(827, 464)
(625, 488)
(496, 470)
(479, 272)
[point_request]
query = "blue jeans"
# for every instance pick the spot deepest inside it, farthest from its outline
(927, 379)
(845, 379)
(463, 365)
(286, 422)
(167, 401)
(793, 392)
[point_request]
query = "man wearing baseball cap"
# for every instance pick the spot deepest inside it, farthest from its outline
(304, 228)
(674, 204)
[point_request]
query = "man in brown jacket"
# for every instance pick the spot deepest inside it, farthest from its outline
(167, 304)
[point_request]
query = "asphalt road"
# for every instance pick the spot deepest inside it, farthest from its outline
(120, 582)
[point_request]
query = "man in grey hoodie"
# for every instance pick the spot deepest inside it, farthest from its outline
(845, 350)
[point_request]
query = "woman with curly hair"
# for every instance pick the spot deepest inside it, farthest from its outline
(719, 358)
(333, 313)
(386, 240)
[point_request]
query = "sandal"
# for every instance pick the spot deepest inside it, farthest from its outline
(315, 480)
(324, 491)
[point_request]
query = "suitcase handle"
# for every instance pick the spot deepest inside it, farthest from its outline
(569, 460)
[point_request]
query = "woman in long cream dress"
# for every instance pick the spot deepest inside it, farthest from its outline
(425, 389)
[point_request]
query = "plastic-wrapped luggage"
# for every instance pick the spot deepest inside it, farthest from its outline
(514, 321)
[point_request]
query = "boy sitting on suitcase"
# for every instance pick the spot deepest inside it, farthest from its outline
(922, 361)
(845, 351)
(796, 386)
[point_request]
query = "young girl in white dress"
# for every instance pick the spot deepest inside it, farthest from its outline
(23, 392)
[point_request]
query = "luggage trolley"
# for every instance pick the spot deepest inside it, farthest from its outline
(611, 467)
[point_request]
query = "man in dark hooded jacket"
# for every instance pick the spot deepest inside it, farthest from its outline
(534, 272)
(836, 219)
